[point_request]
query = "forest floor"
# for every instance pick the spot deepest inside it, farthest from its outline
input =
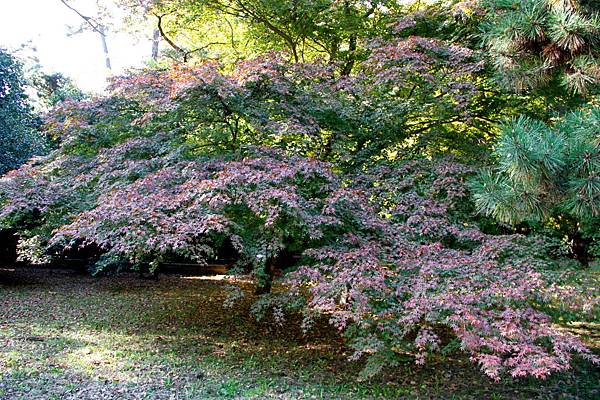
(69, 336)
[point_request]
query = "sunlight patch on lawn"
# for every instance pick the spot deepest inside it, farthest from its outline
(230, 278)
(206, 277)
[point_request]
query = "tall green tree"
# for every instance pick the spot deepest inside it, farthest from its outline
(18, 136)
(334, 30)
(547, 174)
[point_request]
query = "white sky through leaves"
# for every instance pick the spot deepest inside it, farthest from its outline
(45, 24)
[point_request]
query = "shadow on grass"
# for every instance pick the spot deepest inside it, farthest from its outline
(13, 277)
(175, 336)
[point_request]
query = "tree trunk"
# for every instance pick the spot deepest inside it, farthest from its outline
(265, 281)
(347, 69)
(155, 41)
(96, 26)
(105, 48)
(351, 44)
(580, 247)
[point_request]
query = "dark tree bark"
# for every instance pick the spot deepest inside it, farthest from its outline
(347, 69)
(580, 247)
(265, 282)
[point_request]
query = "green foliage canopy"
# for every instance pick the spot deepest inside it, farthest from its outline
(19, 139)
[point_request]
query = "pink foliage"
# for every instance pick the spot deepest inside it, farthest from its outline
(404, 63)
(412, 289)
(179, 208)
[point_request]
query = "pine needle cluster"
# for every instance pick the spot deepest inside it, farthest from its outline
(536, 43)
(544, 171)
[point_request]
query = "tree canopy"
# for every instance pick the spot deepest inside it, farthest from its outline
(362, 155)
(17, 122)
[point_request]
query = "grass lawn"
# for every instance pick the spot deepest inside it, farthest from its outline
(68, 336)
